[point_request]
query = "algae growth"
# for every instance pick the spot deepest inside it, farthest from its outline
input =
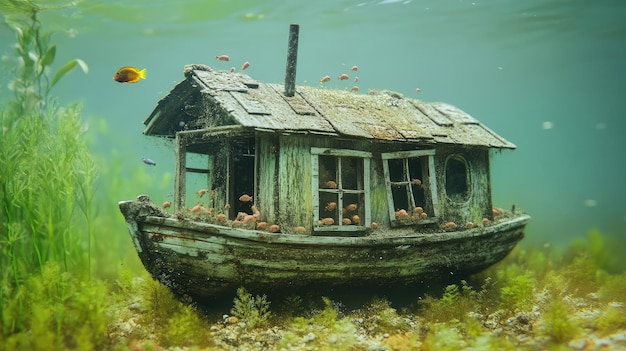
(67, 284)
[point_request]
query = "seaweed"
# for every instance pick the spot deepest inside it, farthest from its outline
(46, 168)
(254, 311)
(59, 312)
(558, 323)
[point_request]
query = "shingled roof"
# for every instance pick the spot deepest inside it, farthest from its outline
(209, 98)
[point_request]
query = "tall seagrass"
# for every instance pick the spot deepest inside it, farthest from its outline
(46, 171)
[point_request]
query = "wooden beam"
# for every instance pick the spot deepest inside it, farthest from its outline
(180, 176)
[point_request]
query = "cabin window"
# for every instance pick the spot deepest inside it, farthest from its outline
(341, 189)
(457, 179)
(411, 186)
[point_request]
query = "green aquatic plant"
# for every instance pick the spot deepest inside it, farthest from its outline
(613, 288)
(34, 56)
(327, 317)
(456, 302)
(380, 318)
(175, 322)
(43, 158)
(254, 311)
(517, 287)
(442, 337)
(602, 251)
(57, 311)
(612, 319)
(559, 324)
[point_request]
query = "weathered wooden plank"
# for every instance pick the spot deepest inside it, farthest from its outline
(295, 198)
(431, 112)
(252, 106)
(180, 175)
(454, 113)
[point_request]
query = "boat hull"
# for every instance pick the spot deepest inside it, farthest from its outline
(205, 260)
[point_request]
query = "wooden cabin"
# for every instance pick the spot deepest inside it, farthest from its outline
(335, 162)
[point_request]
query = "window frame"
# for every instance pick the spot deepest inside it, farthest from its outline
(432, 182)
(336, 152)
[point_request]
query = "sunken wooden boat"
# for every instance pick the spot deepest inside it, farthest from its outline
(283, 187)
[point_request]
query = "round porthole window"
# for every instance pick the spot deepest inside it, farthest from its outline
(457, 179)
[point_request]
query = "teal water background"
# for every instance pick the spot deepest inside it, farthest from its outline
(548, 76)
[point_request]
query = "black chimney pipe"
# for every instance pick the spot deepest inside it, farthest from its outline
(292, 60)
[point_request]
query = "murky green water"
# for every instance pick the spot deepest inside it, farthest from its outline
(548, 76)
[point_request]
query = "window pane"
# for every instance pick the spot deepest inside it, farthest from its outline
(328, 172)
(353, 209)
(397, 172)
(329, 208)
(351, 173)
(400, 197)
(417, 180)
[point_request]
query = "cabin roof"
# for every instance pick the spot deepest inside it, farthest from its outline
(211, 98)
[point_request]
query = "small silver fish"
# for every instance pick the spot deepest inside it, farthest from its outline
(148, 161)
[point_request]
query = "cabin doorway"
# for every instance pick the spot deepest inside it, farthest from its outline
(242, 176)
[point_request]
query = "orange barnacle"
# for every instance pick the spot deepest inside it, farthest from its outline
(328, 221)
(331, 184)
(356, 219)
(220, 217)
(210, 211)
(346, 221)
(419, 210)
(343, 76)
(325, 79)
(299, 230)
(374, 225)
(423, 215)
(401, 214)
(351, 207)
(166, 204)
(331, 206)
(227, 207)
(449, 225)
(274, 228)
(255, 212)
(485, 221)
(196, 208)
(245, 65)
(261, 225)
(236, 224)
(223, 57)
(416, 181)
(469, 224)
(201, 192)
(248, 219)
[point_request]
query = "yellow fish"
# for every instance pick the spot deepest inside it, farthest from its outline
(129, 74)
